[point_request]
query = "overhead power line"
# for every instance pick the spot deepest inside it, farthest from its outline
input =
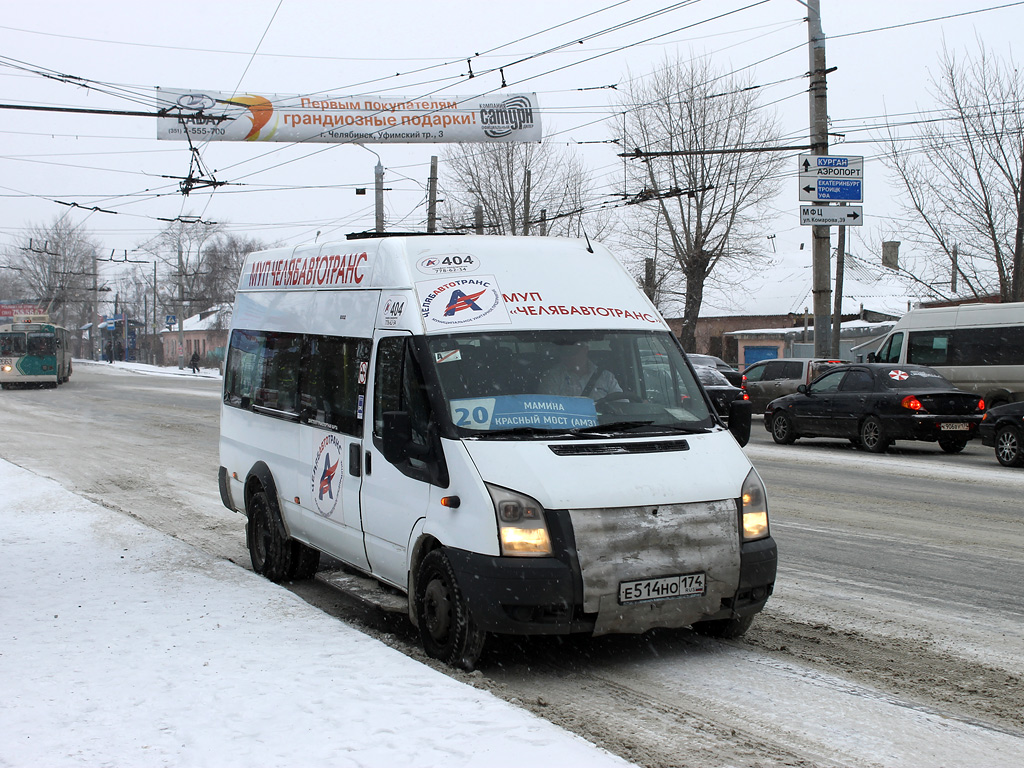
(167, 112)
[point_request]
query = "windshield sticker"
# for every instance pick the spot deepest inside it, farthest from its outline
(461, 301)
(898, 375)
(453, 264)
(448, 357)
(511, 411)
(326, 477)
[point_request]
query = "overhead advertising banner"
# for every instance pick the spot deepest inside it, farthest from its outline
(214, 116)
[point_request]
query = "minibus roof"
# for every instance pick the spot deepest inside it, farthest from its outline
(463, 282)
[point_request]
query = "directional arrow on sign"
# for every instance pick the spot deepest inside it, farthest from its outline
(832, 215)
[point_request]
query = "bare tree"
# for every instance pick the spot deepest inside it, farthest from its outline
(185, 285)
(224, 257)
(702, 176)
(962, 177)
(55, 266)
(522, 189)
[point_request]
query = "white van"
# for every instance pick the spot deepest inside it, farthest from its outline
(978, 347)
(504, 430)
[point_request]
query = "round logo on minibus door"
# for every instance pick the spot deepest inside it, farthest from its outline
(326, 477)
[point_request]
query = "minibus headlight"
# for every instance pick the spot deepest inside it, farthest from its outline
(521, 527)
(7, 369)
(754, 508)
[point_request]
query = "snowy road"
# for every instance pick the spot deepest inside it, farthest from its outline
(895, 636)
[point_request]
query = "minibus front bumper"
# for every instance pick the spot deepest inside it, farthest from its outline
(544, 596)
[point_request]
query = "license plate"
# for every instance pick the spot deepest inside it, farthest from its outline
(954, 427)
(663, 588)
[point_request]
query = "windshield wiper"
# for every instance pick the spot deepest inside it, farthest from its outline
(648, 427)
(518, 432)
(622, 426)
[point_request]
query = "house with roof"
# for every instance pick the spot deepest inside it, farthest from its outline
(770, 314)
(205, 333)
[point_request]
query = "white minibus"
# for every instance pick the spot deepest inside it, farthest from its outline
(978, 347)
(501, 430)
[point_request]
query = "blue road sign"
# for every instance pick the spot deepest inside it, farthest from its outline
(839, 189)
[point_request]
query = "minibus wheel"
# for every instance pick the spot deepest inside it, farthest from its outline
(269, 550)
(446, 626)
(305, 562)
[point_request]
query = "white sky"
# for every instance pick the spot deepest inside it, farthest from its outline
(291, 192)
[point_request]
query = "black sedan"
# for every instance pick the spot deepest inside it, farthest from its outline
(1002, 428)
(718, 387)
(874, 404)
(735, 377)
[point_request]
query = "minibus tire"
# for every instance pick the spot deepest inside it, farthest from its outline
(725, 629)
(447, 629)
(270, 552)
(305, 562)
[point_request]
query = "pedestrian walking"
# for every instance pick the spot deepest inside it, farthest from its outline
(194, 362)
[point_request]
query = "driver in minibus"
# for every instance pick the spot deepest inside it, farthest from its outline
(575, 375)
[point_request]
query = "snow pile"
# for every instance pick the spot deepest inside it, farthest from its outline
(122, 646)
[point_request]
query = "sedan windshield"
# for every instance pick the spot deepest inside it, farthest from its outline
(572, 381)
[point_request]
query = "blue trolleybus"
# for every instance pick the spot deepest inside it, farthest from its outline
(34, 353)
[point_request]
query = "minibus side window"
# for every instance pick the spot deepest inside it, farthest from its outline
(279, 372)
(891, 352)
(399, 386)
(929, 348)
(240, 372)
(330, 386)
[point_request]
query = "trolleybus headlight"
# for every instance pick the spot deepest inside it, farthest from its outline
(7, 369)
(521, 526)
(754, 508)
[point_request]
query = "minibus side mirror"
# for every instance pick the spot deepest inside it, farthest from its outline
(739, 420)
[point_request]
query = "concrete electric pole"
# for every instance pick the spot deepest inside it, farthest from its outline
(821, 237)
(378, 197)
(432, 196)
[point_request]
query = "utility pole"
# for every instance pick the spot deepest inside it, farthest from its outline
(837, 313)
(432, 196)
(181, 311)
(378, 197)
(94, 329)
(478, 218)
(821, 236)
(526, 203)
(152, 345)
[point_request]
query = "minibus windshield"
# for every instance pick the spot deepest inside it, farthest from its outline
(580, 382)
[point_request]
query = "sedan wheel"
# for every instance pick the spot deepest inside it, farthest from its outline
(952, 444)
(782, 429)
(872, 435)
(1009, 445)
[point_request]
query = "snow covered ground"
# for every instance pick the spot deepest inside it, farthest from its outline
(122, 646)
